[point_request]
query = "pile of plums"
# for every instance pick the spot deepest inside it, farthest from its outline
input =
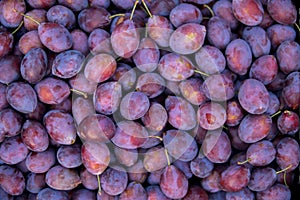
(149, 100)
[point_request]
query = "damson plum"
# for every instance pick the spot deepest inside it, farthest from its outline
(3, 100)
(239, 56)
(218, 87)
(34, 65)
(134, 105)
(261, 153)
(55, 36)
(40, 162)
(262, 179)
(22, 97)
(52, 91)
(6, 43)
(191, 90)
(99, 41)
(211, 183)
(100, 68)
(235, 178)
(80, 41)
(114, 180)
(173, 183)
(94, 161)
(211, 116)
(282, 11)
(67, 64)
(96, 127)
(126, 157)
(151, 84)
(49, 193)
(223, 9)
(125, 75)
(80, 83)
(187, 38)
(279, 33)
(218, 32)
(288, 55)
(155, 159)
(13, 150)
(216, 146)
(69, 156)
(288, 122)
(61, 15)
(84, 194)
(34, 136)
(147, 56)
(125, 39)
(254, 128)
(288, 154)
(92, 18)
(10, 122)
(61, 178)
(276, 192)
(180, 145)
(249, 12)
(101, 3)
(175, 67)
(38, 15)
(107, 97)
(181, 113)
(235, 140)
(75, 5)
(163, 7)
(185, 13)
(130, 135)
(12, 180)
(137, 172)
(242, 194)
(264, 69)
(291, 91)
(154, 192)
(253, 96)
(234, 113)
(10, 68)
(10, 12)
(159, 29)
(210, 60)
(196, 192)
(258, 40)
(155, 118)
(60, 126)
(44, 4)
(29, 40)
(134, 191)
(201, 167)
(35, 182)
(88, 180)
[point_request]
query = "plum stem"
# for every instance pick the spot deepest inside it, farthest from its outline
(116, 15)
(297, 26)
(147, 9)
(167, 155)
(28, 17)
(202, 73)
(244, 162)
(284, 179)
(99, 184)
(284, 170)
(79, 92)
(155, 136)
(18, 28)
(275, 114)
(210, 10)
(132, 12)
